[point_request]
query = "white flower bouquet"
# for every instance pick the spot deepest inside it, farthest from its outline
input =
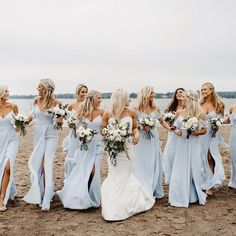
(58, 111)
(20, 121)
(115, 137)
(85, 135)
(71, 121)
(190, 124)
(147, 122)
(215, 122)
(169, 117)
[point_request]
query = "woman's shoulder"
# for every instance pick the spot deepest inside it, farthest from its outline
(55, 102)
(101, 111)
(13, 106)
(232, 109)
(131, 111)
(36, 99)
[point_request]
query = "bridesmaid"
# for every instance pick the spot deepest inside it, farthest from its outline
(45, 142)
(185, 182)
(8, 148)
(83, 185)
(232, 119)
(71, 143)
(177, 103)
(213, 171)
(148, 159)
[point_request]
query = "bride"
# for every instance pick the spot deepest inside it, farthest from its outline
(121, 194)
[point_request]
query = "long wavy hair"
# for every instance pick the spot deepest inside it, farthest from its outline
(3, 88)
(174, 101)
(48, 93)
(143, 98)
(78, 89)
(216, 99)
(119, 100)
(88, 105)
(193, 107)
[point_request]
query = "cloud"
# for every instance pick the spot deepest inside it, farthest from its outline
(109, 43)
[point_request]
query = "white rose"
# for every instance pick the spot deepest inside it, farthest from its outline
(194, 120)
(218, 123)
(86, 132)
(188, 124)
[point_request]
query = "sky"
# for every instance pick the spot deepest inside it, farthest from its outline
(111, 44)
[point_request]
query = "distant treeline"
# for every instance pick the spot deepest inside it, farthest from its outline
(108, 95)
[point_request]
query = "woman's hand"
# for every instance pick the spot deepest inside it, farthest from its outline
(135, 138)
(17, 129)
(147, 128)
(72, 126)
(178, 132)
(195, 132)
(59, 120)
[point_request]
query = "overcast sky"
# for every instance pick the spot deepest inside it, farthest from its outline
(108, 44)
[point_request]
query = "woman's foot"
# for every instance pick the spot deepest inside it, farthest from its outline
(45, 209)
(209, 192)
(3, 208)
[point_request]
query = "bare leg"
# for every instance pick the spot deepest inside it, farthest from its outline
(43, 173)
(91, 177)
(211, 162)
(5, 182)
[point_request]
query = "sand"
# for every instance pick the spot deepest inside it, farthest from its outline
(217, 217)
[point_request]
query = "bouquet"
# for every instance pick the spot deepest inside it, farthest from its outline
(147, 122)
(71, 121)
(115, 136)
(85, 136)
(57, 112)
(190, 124)
(215, 124)
(20, 121)
(169, 117)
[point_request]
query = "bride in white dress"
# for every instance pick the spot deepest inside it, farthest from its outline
(121, 194)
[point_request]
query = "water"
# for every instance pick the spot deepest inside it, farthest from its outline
(25, 105)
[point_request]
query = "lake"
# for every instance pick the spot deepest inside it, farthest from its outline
(25, 105)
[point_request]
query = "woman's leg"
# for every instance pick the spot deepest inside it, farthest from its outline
(5, 182)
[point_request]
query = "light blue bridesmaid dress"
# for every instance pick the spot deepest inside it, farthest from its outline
(75, 193)
(45, 143)
(8, 151)
(70, 144)
(147, 165)
(168, 155)
(232, 182)
(185, 181)
(209, 143)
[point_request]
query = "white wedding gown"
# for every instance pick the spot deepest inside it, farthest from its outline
(121, 194)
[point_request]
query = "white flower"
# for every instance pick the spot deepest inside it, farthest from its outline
(218, 123)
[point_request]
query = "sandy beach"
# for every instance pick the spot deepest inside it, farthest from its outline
(217, 217)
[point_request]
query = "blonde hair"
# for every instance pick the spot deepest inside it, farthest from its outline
(216, 99)
(49, 87)
(79, 87)
(192, 105)
(143, 98)
(119, 100)
(3, 88)
(88, 105)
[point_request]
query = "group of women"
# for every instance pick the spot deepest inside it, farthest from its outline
(192, 166)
